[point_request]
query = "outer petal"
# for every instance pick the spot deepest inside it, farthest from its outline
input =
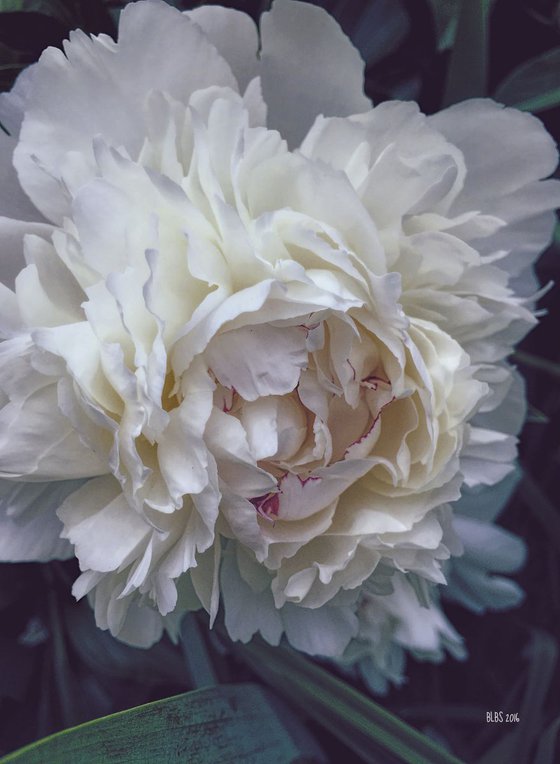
(504, 148)
(29, 527)
(322, 631)
(490, 547)
(14, 103)
(308, 67)
(126, 617)
(37, 441)
(99, 88)
(472, 587)
(487, 457)
(13, 202)
(486, 502)
(142, 626)
(506, 152)
(234, 35)
(487, 549)
(248, 611)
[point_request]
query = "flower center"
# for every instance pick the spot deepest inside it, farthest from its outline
(170, 397)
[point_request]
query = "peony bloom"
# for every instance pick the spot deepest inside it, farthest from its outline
(255, 330)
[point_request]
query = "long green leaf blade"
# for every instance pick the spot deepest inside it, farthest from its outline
(468, 68)
(217, 725)
(533, 86)
(364, 726)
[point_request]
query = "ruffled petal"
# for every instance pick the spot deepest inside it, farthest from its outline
(98, 88)
(104, 530)
(37, 442)
(488, 456)
(506, 152)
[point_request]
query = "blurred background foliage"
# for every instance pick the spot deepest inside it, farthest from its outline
(57, 669)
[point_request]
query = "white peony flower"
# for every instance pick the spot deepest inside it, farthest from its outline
(254, 328)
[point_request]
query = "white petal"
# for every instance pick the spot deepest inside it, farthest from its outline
(99, 89)
(241, 517)
(308, 67)
(323, 631)
(12, 233)
(182, 453)
(127, 618)
(234, 35)
(247, 611)
(488, 456)
(38, 443)
(325, 195)
(14, 203)
(258, 360)
(299, 498)
(237, 467)
(506, 151)
(205, 580)
(474, 589)
(504, 148)
(30, 531)
(487, 502)
(104, 530)
(11, 322)
(142, 627)
(510, 414)
(488, 546)
(14, 103)
(47, 294)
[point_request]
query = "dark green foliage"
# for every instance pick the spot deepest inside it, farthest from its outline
(214, 726)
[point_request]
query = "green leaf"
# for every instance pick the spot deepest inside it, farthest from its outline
(54, 8)
(556, 236)
(195, 652)
(468, 67)
(368, 729)
(533, 86)
(381, 29)
(231, 723)
(536, 416)
(537, 362)
(446, 16)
